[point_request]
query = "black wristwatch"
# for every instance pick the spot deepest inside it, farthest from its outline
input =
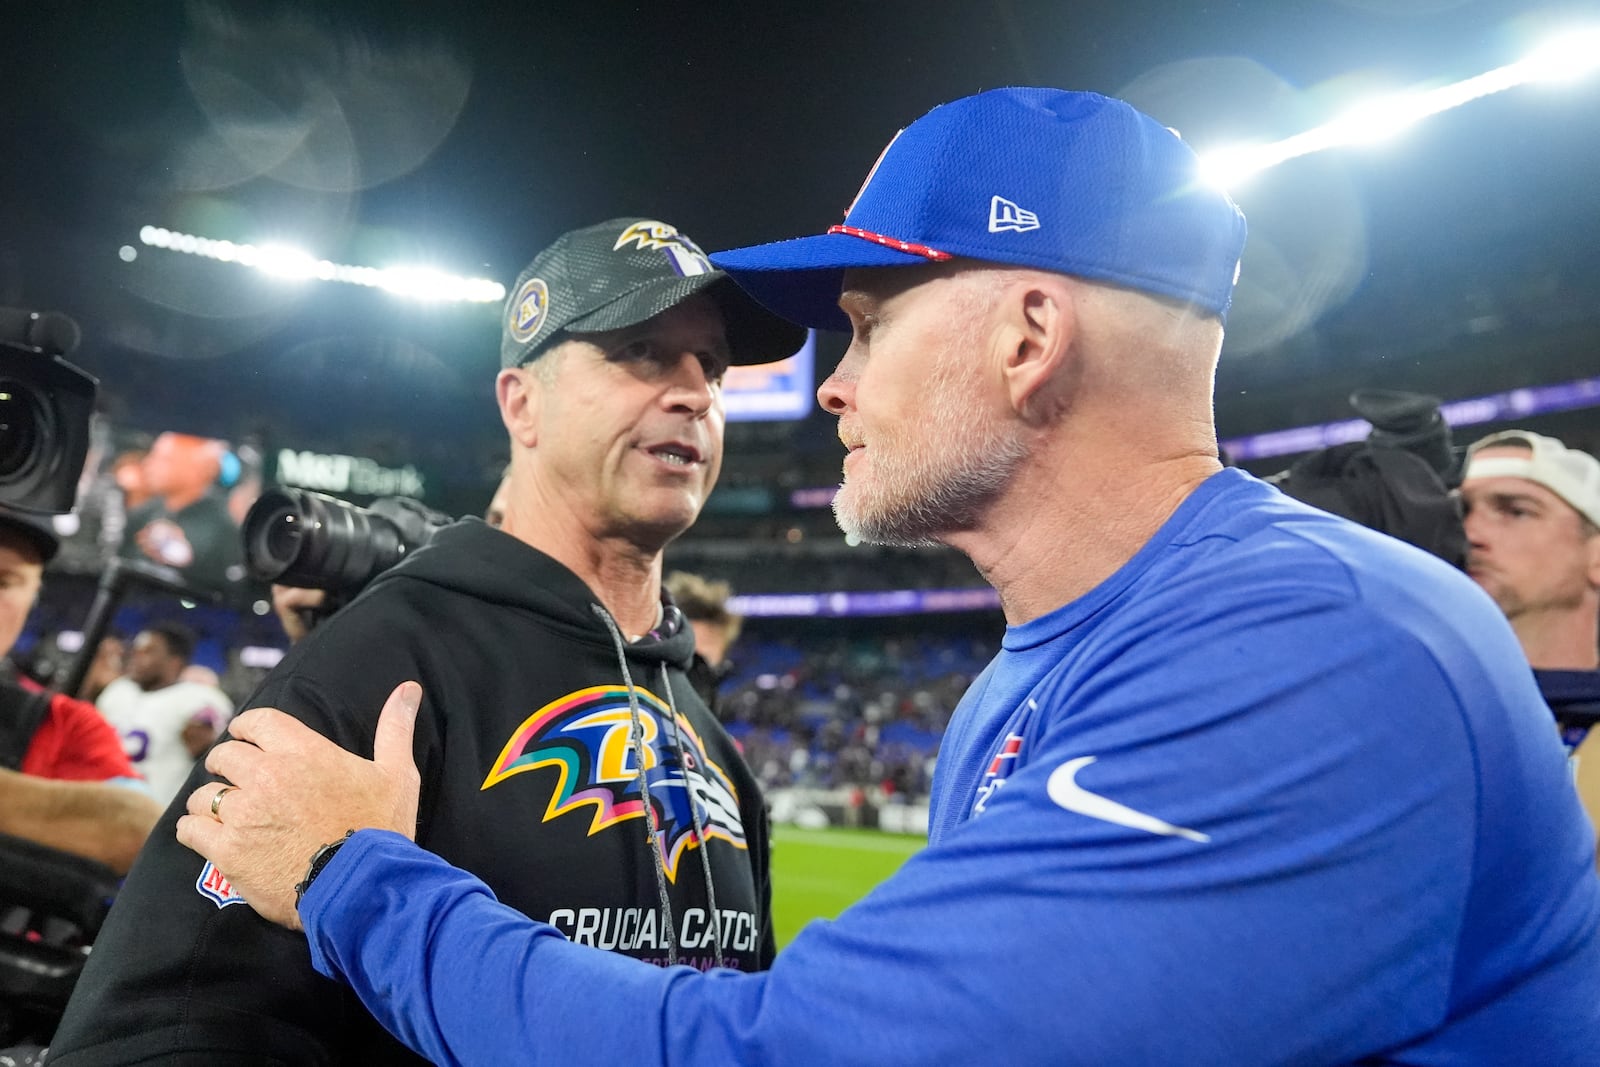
(319, 860)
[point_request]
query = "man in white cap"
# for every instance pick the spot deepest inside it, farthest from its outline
(1532, 509)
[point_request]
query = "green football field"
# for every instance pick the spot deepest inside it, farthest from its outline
(819, 873)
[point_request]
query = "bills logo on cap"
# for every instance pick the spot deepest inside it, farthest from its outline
(215, 887)
(873, 172)
(685, 256)
(528, 309)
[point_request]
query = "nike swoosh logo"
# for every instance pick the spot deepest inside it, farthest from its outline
(1065, 791)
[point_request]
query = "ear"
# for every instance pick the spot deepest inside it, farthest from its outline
(1038, 324)
(517, 390)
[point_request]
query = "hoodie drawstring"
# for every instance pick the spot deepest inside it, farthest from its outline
(652, 829)
(652, 825)
(699, 823)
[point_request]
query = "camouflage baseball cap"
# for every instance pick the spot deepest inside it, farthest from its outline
(620, 273)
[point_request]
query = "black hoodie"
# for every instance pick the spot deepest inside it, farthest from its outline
(1574, 698)
(528, 781)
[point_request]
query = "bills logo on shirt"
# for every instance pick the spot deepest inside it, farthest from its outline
(215, 887)
(999, 769)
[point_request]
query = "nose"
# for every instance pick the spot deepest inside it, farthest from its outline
(692, 389)
(1476, 527)
(837, 393)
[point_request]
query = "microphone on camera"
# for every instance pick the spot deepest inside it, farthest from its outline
(51, 331)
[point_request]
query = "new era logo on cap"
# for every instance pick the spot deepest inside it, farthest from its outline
(1004, 215)
(1075, 183)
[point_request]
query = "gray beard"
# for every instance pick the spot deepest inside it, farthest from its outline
(937, 485)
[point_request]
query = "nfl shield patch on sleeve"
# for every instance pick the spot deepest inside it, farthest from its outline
(215, 887)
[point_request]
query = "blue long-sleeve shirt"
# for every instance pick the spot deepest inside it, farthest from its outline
(1279, 791)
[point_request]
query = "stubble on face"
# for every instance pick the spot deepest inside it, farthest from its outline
(607, 418)
(936, 470)
(1529, 553)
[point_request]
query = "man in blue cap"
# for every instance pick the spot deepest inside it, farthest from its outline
(1247, 784)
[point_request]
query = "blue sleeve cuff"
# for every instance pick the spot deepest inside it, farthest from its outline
(367, 859)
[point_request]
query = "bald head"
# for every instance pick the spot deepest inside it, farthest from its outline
(961, 376)
(1087, 340)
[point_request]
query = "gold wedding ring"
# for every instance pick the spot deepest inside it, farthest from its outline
(216, 801)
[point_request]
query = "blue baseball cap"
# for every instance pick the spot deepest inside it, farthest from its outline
(1074, 183)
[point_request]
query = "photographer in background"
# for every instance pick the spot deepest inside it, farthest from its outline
(299, 608)
(561, 731)
(64, 780)
(1533, 531)
(73, 812)
(1397, 481)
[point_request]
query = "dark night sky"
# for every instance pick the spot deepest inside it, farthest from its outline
(469, 134)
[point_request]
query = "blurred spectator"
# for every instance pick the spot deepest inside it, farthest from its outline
(127, 471)
(819, 563)
(105, 668)
(705, 604)
(1533, 529)
(185, 524)
(495, 513)
(64, 780)
(838, 712)
(166, 723)
(199, 674)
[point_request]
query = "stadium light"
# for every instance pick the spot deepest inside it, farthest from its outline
(1565, 58)
(1378, 120)
(285, 261)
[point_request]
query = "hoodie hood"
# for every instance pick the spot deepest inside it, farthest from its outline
(1574, 696)
(474, 558)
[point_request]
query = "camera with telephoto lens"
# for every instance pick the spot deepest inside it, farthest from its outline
(46, 404)
(315, 541)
